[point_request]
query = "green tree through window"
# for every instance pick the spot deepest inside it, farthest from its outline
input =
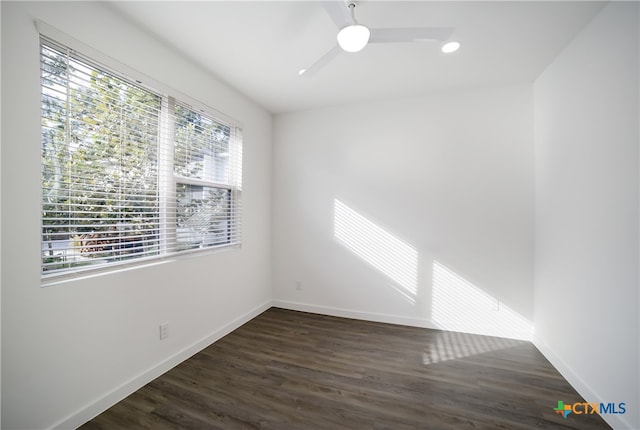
(102, 200)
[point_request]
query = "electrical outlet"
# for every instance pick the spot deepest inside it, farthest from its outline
(164, 330)
(298, 285)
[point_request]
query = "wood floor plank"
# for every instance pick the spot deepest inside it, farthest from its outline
(295, 370)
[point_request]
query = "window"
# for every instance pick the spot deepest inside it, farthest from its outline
(127, 172)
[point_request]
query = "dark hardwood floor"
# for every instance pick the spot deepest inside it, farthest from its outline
(296, 370)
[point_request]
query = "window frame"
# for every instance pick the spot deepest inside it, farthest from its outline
(168, 180)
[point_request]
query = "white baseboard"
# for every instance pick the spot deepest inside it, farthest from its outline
(119, 393)
(359, 315)
(618, 422)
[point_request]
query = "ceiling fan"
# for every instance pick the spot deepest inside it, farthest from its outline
(353, 36)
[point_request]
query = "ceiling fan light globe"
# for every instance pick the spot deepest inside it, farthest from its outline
(353, 38)
(450, 47)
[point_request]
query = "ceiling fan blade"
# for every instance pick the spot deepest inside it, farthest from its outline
(338, 12)
(415, 34)
(323, 61)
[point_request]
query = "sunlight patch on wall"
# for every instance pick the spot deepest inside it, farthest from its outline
(458, 305)
(391, 256)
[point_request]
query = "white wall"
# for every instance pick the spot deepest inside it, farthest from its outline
(450, 176)
(0, 225)
(440, 189)
(586, 259)
(71, 349)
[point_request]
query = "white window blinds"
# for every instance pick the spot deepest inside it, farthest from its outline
(129, 173)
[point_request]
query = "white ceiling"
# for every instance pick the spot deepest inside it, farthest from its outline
(258, 47)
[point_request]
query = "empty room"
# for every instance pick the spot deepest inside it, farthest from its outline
(320, 215)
